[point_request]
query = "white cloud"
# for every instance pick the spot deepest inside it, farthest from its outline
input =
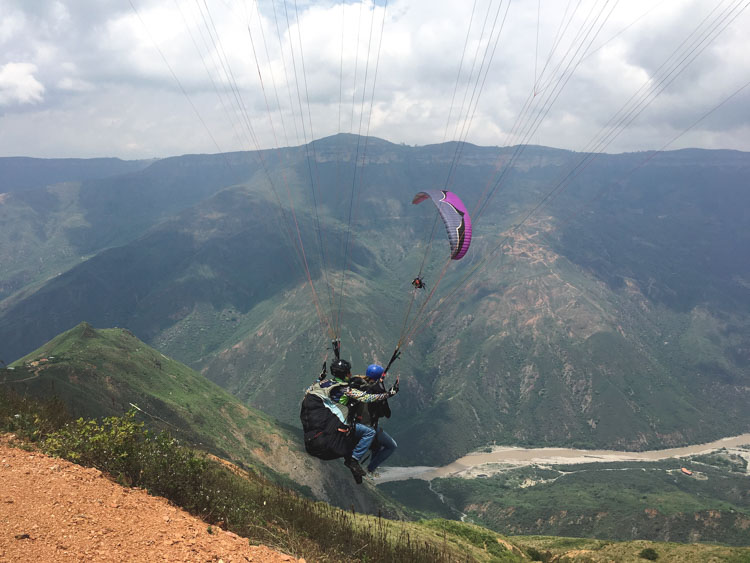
(73, 84)
(89, 52)
(10, 24)
(18, 84)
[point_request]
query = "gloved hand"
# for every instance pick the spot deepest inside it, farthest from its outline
(393, 390)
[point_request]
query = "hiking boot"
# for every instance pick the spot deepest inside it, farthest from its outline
(356, 469)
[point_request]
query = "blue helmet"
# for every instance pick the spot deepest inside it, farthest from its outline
(375, 371)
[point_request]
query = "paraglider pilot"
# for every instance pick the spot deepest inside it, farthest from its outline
(383, 445)
(418, 283)
(348, 396)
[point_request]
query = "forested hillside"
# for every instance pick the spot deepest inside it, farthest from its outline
(614, 314)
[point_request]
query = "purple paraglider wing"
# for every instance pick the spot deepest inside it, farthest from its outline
(454, 215)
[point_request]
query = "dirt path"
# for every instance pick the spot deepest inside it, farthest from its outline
(53, 510)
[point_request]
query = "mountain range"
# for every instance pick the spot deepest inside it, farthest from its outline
(603, 303)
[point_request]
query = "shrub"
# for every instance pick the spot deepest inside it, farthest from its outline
(537, 555)
(649, 553)
(248, 505)
(28, 419)
(113, 446)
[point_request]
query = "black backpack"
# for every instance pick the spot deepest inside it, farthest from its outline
(324, 423)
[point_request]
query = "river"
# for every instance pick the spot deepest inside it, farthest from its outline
(501, 457)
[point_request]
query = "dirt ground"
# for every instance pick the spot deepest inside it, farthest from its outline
(53, 510)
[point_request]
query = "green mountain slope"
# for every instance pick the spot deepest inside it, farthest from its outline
(616, 317)
(39, 208)
(540, 347)
(57, 213)
(102, 372)
(250, 506)
(22, 173)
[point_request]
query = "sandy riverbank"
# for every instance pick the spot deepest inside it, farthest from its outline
(502, 456)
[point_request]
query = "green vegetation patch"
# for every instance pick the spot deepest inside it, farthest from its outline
(549, 549)
(619, 501)
(416, 494)
(477, 536)
(246, 503)
(102, 372)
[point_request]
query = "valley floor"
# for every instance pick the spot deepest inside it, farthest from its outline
(485, 464)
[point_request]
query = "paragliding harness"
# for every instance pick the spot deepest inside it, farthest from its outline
(327, 425)
(327, 432)
(370, 413)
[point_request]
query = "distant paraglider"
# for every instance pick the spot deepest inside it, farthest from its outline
(454, 215)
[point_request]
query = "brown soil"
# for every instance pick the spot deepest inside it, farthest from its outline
(53, 510)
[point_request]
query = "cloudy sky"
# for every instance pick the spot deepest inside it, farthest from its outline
(154, 78)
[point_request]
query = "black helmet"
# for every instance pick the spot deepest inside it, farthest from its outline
(340, 368)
